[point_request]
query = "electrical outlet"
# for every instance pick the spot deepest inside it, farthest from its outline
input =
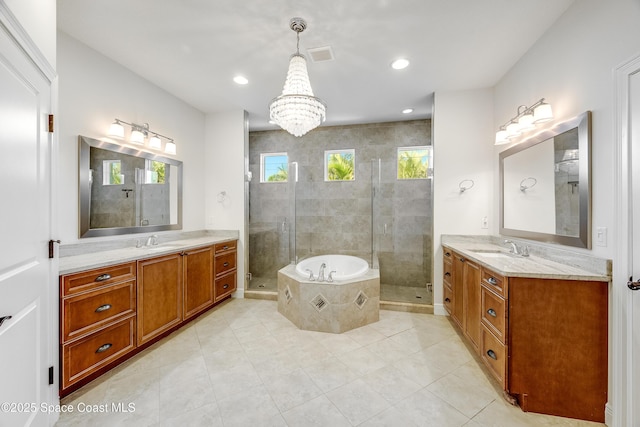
(601, 236)
(485, 222)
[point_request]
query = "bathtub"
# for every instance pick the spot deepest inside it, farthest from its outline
(345, 267)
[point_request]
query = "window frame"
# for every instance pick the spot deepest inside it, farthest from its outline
(328, 153)
(263, 156)
(429, 160)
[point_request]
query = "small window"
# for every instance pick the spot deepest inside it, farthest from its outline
(154, 172)
(112, 172)
(274, 167)
(340, 165)
(414, 162)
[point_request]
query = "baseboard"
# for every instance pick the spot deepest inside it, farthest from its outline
(608, 414)
(439, 310)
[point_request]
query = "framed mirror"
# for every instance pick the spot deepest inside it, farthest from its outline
(123, 190)
(546, 185)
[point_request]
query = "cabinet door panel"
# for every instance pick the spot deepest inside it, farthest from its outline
(472, 303)
(457, 312)
(198, 281)
(159, 296)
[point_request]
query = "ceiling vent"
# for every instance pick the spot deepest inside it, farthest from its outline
(321, 54)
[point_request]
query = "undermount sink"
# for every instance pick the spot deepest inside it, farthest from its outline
(160, 248)
(492, 253)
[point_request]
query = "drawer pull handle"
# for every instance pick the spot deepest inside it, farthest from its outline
(447, 274)
(447, 300)
(103, 307)
(492, 354)
(226, 264)
(492, 312)
(461, 259)
(103, 277)
(225, 247)
(448, 254)
(2, 319)
(104, 347)
(226, 286)
(492, 281)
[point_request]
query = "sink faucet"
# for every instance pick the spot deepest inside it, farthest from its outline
(152, 240)
(321, 272)
(514, 247)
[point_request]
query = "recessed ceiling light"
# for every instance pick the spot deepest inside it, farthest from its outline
(400, 64)
(407, 111)
(240, 80)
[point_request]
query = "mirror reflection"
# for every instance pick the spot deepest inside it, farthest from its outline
(546, 186)
(123, 190)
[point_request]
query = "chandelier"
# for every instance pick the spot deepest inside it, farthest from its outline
(297, 111)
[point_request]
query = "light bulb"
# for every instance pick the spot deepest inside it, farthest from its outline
(542, 113)
(155, 142)
(170, 147)
(116, 129)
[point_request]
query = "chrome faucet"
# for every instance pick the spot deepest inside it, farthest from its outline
(311, 278)
(152, 240)
(514, 247)
(321, 272)
(330, 278)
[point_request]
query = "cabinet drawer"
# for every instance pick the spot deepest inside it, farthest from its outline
(226, 246)
(448, 298)
(225, 285)
(225, 263)
(493, 281)
(85, 356)
(493, 313)
(89, 311)
(493, 354)
(88, 280)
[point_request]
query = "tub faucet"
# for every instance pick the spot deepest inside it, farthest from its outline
(311, 278)
(514, 247)
(330, 278)
(152, 240)
(321, 272)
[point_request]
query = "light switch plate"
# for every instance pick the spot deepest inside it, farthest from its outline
(601, 236)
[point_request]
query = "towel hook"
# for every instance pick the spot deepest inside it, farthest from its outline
(527, 183)
(465, 185)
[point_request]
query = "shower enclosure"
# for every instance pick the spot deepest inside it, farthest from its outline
(376, 216)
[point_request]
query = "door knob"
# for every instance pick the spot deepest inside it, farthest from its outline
(634, 286)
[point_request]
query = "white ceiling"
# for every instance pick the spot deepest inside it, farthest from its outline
(194, 48)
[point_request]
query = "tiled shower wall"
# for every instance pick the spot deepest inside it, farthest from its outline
(336, 217)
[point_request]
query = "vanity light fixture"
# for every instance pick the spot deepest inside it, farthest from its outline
(526, 119)
(297, 110)
(139, 133)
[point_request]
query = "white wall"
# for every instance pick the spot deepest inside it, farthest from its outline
(572, 67)
(227, 139)
(38, 18)
(93, 91)
(463, 149)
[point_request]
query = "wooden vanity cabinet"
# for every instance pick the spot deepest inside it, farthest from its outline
(159, 295)
(198, 281)
(108, 314)
(543, 340)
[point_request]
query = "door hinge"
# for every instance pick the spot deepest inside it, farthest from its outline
(51, 252)
(50, 123)
(50, 375)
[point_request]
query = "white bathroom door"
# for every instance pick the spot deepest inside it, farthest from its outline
(25, 223)
(634, 313)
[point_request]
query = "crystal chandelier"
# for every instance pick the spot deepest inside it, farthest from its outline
(297, 111)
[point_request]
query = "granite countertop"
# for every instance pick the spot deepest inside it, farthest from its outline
(87, 256)
(497, 258)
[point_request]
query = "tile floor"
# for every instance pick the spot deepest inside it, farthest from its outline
(243, 364)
